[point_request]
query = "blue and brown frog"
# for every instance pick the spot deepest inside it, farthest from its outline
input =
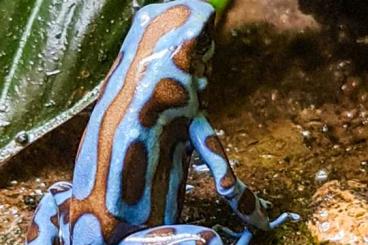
(132, 164)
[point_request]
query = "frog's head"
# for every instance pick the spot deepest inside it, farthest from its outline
(203, 51)
(195, 52)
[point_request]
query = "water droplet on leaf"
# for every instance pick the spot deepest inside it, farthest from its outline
(22, 138)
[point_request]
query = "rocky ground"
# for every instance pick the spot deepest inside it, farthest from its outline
(289, 98)
(340, 213)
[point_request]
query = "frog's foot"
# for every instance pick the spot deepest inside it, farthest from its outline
(265, 204)
(284, 217)
(50, 221)
(174, 234)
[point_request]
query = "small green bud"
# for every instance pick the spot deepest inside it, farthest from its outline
(219, 5)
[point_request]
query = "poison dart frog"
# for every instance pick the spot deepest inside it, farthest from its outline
(132, 164)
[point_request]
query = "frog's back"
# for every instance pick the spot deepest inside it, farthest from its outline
(132, 164)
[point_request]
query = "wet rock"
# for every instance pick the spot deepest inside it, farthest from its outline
(321, 176)
(283, 14)
(340, 213)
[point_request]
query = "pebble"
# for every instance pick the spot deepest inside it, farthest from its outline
(189, 188)
(202, 168)
(38, 192)
(220, 132)
(13, 182)
(321, 176)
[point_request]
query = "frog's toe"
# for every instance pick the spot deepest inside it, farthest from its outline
(284, 218)
(245, 238)
(294, 217)
(266, 204)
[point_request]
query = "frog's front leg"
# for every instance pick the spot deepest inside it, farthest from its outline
(250, 208)
(50, 222)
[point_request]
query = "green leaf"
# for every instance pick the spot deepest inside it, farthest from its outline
(220, 5)
(53, 55)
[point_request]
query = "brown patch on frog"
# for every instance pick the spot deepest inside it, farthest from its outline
(112, 70)
(33, 232)
(57, 241)
(213, 143)
(172, 134)
(183, 56)
(167, 94)
(95, 203)
(134, 171)
(55, 220)
(123, 230)
(182, 187)
(64, 210)
(167, 231)
(229, 179)
(247, 202)
(207, 236)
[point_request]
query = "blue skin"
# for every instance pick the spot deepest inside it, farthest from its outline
(95, 202)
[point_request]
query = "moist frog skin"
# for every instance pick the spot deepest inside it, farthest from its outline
(131, 169)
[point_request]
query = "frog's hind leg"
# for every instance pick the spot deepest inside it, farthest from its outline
(174, 234)
(50, 223)
(245, 236)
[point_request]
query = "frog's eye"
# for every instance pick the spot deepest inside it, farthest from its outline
(203, 43)
(204, 40)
